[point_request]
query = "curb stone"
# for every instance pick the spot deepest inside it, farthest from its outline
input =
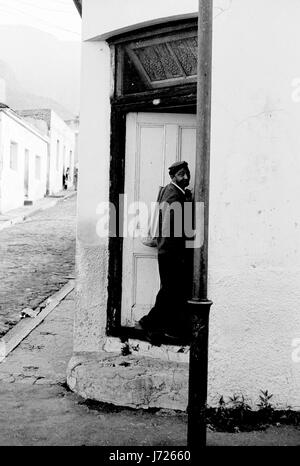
(24, 327)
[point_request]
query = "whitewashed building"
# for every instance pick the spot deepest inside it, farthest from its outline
(138, 105)
(23, 161)
(61, 145)
(74, 125)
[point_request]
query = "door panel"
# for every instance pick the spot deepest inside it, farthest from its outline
(153, 142)
(151, 158)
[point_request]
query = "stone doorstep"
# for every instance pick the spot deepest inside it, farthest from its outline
(143, 348)
(131, 381)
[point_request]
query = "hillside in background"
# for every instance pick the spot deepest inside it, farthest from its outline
(18, 99)
(40, 71)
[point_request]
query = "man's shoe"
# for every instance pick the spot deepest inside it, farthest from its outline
(177, 338)
(138, 326)
(152, 336)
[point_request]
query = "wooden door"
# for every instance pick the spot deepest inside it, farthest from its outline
(153, 142)
(26, 174)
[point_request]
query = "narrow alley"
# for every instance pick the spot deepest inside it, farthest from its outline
(37, 259)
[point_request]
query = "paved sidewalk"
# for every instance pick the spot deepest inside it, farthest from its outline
(22, 213)
(37, 409)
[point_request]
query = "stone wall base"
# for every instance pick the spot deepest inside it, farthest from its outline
(132, 381)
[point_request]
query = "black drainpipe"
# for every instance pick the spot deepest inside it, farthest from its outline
(199, 305)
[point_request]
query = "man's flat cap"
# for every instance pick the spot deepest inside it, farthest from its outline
(175, 167)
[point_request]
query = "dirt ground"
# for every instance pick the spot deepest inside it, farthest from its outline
(37, 408)
(49, 415)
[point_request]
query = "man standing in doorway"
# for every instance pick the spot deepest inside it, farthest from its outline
(168, 317)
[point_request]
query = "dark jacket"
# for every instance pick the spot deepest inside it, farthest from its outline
(175, 216)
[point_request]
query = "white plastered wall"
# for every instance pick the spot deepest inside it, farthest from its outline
(102, 19)
(1, 161)
(254, 214)
(254, 254)
(93, 188)
(12, 181)
(60, 131)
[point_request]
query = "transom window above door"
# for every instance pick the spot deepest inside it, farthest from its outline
(166, 57)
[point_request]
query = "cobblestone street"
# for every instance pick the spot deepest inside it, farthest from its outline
(37, 259)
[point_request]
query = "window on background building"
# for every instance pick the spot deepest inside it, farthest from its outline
(37, 167)
(13, 161)
(71, 161)
(57, 154)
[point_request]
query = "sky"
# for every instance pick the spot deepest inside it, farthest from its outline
(58, 17)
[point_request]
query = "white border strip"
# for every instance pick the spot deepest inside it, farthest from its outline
(22, 329)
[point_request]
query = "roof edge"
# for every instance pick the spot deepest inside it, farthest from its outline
(12, 114)
(78, 4)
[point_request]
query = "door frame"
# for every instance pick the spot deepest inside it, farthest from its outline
(176, 99)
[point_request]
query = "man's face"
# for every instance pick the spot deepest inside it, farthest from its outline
(182, 178)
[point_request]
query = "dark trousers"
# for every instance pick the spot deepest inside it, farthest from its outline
(169, 312)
